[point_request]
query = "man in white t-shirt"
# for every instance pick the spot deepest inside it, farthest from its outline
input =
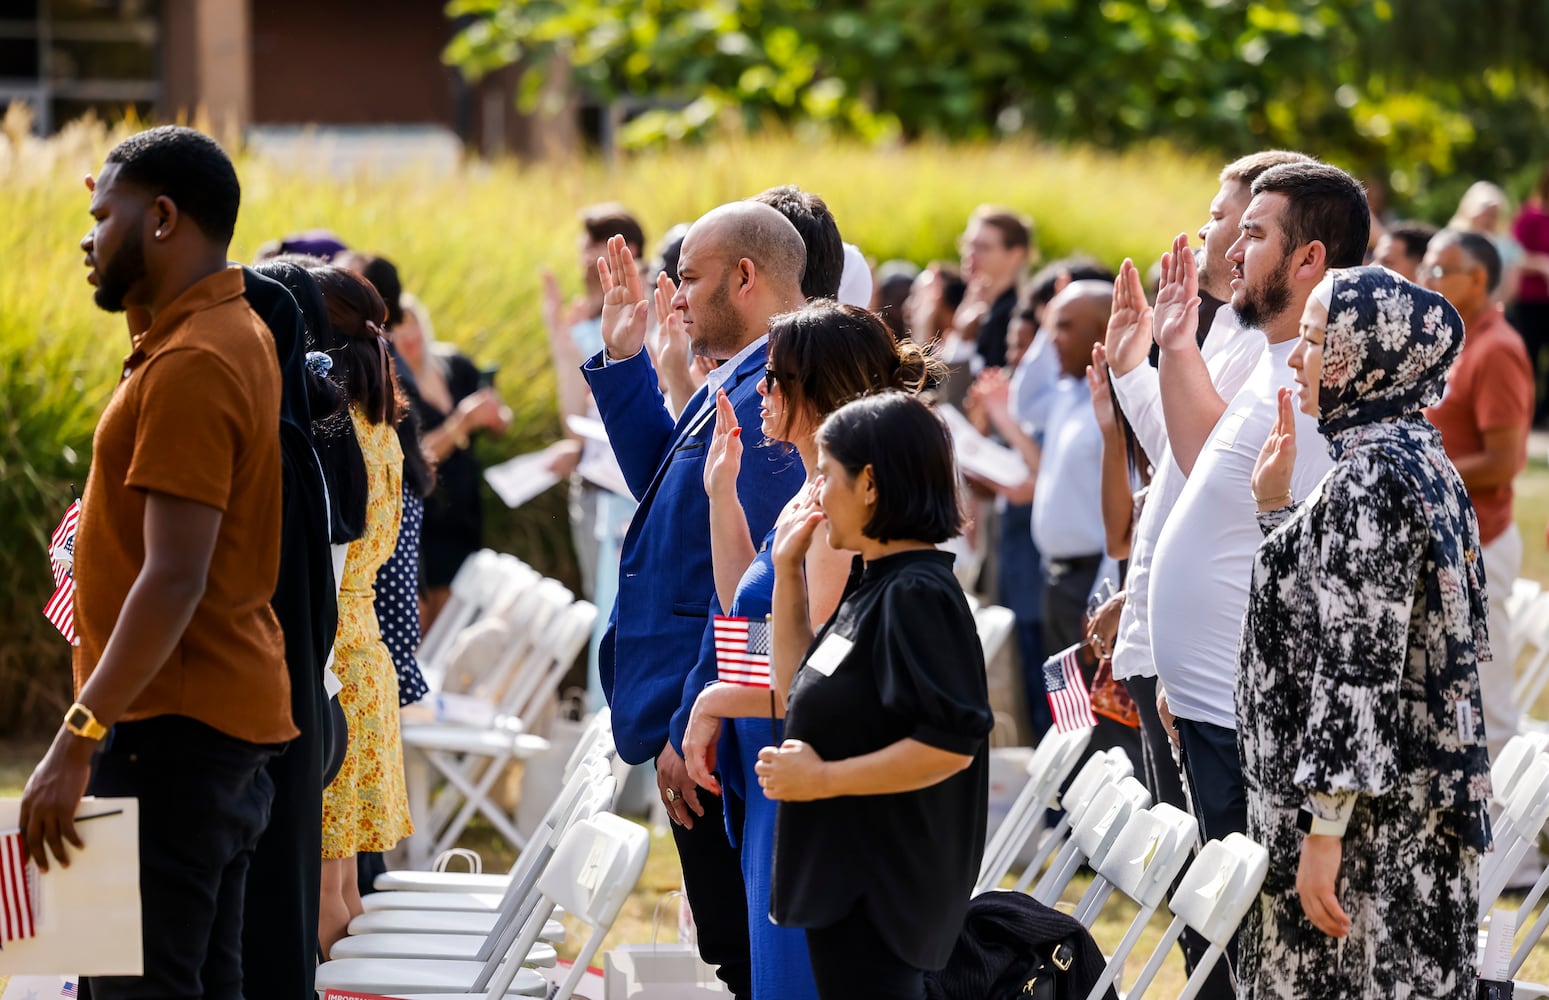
(1230, 352)
(1304, 218)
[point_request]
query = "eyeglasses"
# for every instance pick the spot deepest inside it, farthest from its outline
(1436, 271)
(770, 378)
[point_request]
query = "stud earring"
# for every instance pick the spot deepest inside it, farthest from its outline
(158, 234)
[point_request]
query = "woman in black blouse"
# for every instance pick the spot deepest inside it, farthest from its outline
(882, 778)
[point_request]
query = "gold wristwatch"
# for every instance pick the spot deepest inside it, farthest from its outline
(81, 722)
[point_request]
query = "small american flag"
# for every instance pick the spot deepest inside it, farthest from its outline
(60, 609)
(1069, 701)
(742, 651)
(70, 989)
(18, 889)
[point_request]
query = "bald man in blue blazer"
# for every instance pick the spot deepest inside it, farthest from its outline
(741, 264)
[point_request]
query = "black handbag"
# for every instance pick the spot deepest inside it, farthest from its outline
(1045, 979)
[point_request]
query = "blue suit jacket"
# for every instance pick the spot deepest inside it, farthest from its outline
(666, 584)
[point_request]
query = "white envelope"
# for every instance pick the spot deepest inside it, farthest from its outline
(89, 913)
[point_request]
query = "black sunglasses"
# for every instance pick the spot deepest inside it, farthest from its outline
(770, 378)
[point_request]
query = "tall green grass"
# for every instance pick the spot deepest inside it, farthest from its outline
(472, 245)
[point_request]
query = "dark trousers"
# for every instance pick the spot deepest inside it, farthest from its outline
(204, 801)
(1214, 769)
(1019, 586)
(1160, 776)
(712, 877)
(1165, 783)
(850, 960)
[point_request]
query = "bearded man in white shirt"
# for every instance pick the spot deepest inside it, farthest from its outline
(1304, 219)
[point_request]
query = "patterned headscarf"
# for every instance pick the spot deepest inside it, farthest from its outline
(1388, 348)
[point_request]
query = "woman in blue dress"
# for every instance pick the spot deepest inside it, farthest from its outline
(820, 357)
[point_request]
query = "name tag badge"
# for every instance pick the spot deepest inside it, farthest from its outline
(1468, 725)
(1226, 432)
(827, 657)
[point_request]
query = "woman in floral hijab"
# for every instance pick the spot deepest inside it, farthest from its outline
(1359, 719)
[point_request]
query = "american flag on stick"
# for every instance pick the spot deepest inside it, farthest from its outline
(742, 651)
(1069, 700)
(60, 609)
(18, 889)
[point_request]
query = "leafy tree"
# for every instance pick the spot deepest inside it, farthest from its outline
(1406, 91)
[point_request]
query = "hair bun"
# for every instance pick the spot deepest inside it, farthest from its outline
(917, 370)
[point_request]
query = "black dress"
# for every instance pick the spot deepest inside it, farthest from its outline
(454, 515)
(914, 669)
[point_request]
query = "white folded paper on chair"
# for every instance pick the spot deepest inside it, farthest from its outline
(89, 913)
(658, 972)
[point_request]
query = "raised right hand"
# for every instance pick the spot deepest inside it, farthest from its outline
(1102, 396)
(1129, 324)
(724, 460)
(553, 304)
(1177, 298)
(1277, 459)
(624, 305)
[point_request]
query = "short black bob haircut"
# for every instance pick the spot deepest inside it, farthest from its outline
(188, 167)
(910, 454)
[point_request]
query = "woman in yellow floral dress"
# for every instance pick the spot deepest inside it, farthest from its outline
(366, 808)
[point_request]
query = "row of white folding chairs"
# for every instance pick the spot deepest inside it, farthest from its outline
(1520, 782)
(1529, 609)
(1052, 761)
(594, 867)
(435, 931)
(1138, 852)
(544, 630)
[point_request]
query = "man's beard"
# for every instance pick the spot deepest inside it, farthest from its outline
(118, 276)
(1265, 304)
(717, 327)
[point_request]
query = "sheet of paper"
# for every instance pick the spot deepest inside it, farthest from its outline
(522, 478)
(589, 428)
(89, 913)
(979, 455)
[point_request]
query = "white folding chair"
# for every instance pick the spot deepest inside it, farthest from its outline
(1143, 862)
(1051, 763)
(1526, 813)
(1530, 634)
(481, 581)
(995, 625)
(1212, 898)
(1523, 591)
(517, 905)
(464, 891)
(472, 759)
(591, 876)
(1102, 768)
(1095, 831)
(596, 741)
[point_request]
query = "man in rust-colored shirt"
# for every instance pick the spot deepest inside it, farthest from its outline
(181, 687)
(1484, 420)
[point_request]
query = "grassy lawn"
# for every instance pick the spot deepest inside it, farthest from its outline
(662, 875)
